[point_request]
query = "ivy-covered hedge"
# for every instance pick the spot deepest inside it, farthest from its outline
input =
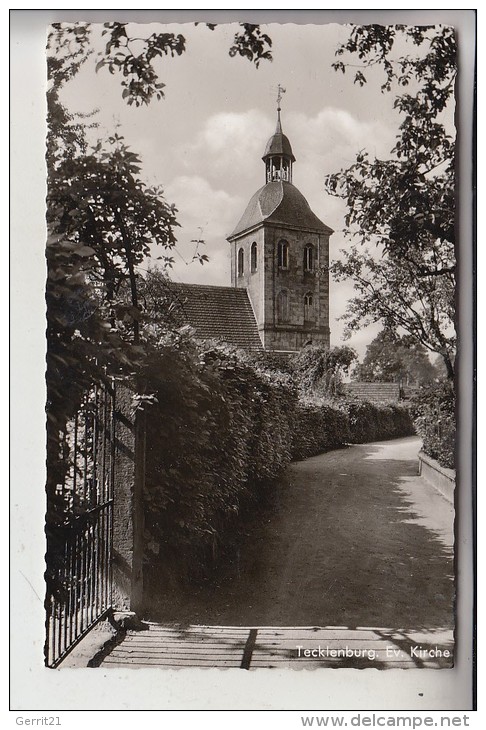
(318, 427)
(375, 421)
(219, 427)
(321, 426)
(433, 410)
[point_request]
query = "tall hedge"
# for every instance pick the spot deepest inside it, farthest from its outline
(321, 426)
(433, 409)
(317, 428)
(218, 430)
(219, 427)
(376, 421)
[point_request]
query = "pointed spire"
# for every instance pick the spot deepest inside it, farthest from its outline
(278, 155)
(280, 91)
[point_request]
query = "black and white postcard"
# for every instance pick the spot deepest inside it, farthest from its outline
(257, 373)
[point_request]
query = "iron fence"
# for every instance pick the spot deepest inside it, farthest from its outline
(79, 526)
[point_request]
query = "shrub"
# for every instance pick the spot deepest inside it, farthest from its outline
(318, 427)
(374, 421)
(433, 410)
(320, 370)
(220, 428)
(321, 425)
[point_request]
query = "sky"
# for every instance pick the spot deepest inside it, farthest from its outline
(204, 141)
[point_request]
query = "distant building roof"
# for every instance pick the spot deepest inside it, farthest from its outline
(219, 312)
(280, 203)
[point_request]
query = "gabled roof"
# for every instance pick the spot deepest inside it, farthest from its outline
(219, 312)
(279, 203)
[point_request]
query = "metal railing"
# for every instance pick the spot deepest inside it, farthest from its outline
(79, 526)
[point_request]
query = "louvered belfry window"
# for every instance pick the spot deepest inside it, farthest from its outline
(308, 257)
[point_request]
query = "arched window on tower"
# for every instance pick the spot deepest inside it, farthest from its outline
(283, 255)
(254, 257)
(309, 257)
(283, 306)
(241, 262)
(308, 307)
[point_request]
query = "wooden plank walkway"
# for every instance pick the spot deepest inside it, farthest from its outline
(285, 647)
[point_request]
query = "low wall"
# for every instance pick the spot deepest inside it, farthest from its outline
(444, 480)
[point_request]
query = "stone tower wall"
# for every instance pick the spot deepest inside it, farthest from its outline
(253, 281)
(265, 284)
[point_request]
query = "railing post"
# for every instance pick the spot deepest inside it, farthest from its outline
(128, 504)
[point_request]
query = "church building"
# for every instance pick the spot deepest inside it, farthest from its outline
(279, 294)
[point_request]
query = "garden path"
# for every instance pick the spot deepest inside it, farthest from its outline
(353, 537)
(349, 564)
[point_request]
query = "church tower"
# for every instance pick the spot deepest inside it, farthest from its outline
(280, 255)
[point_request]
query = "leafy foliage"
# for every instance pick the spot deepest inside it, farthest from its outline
(433, 409)
(137, 59)
(319, 427)
(220, 429)
(320, 369)
(376, 421)
(390, 358)
(221, 426)
(134, 59)
(101, 220)
(252, 44)
(401, 210)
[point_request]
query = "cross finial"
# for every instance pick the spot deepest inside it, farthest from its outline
(280, 91)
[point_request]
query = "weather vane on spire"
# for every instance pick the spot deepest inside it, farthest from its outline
(280, 91)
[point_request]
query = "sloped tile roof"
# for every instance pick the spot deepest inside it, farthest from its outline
(219, 312)
(280, 203)
(279, 145)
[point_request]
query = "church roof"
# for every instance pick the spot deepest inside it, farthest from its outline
(280, 203)
(219, 312)
(279, 143)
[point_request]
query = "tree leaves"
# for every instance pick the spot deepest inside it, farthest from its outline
(102, 220)
(252, 44)
(136, 59)
(318, 369)
(404, 206)
(394, 358)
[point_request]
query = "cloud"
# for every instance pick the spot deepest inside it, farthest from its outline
(201, 206)
(238, 132)
(326, 143)
(229, 147)
(337, 135)
(204, 213)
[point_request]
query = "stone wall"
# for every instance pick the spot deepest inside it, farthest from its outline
(127, 504)
(373, 392)
(442, 479)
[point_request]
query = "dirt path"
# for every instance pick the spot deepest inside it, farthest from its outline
(353, 538)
